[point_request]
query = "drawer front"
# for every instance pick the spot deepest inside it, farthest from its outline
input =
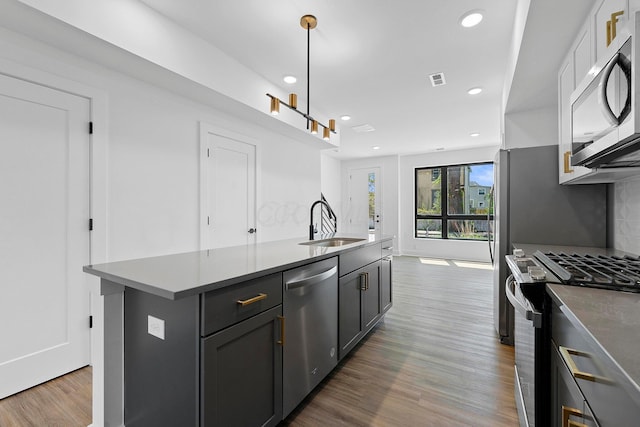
(227, 306)
(353, 260)
(597, 376)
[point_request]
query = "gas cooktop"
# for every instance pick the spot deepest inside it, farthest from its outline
(597, 271)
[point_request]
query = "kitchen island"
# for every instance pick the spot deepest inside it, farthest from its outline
(170, 320)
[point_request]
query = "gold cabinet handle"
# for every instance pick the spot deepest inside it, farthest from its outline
(568, 412)
(257, 298)
(567, 162)
(566, 353)
(281, 340)
(611, 26)
(363, 281)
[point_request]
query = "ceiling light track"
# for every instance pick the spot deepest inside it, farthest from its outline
(308, 22)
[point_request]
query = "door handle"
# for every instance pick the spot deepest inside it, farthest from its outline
(532, 315)
(566, 354)
(364, 281)
(311, 280)
(281, 340)
(253, 230)
(567, 412)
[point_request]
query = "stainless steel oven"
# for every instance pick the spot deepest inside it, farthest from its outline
(525, 290)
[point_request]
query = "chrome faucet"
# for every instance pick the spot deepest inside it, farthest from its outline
(312, 229)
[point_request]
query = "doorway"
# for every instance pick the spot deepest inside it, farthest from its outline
(364, 201)
(228, 188)
(44, 224)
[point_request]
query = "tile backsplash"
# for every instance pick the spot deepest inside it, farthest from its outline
(626, 216)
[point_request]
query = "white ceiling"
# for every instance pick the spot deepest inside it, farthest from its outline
(372, 61)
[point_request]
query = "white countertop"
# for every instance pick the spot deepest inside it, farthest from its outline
(180, 275)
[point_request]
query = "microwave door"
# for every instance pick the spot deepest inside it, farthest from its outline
(589, 122)
(608, 94)
(600, 109)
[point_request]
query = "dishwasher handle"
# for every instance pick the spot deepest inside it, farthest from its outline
(311, 280)
(529, 313)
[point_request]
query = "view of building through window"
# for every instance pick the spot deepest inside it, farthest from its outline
(466, 208)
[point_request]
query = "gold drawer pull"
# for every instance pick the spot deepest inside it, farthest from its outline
(567, 163)
(566, 413)
(566, 356)
(281, 341)
(257, 298)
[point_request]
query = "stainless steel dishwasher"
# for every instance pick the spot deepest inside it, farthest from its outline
(310, 308)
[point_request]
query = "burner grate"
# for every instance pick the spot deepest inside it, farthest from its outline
(609, 272)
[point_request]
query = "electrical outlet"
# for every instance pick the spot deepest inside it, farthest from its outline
(155, 327)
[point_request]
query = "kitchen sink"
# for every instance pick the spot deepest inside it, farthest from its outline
(334, 241)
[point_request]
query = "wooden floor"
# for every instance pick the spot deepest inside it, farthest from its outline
(433, 361)
(62, 402)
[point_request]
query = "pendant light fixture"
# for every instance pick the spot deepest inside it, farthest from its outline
(307, 22)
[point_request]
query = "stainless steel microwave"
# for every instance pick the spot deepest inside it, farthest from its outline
(605, 113)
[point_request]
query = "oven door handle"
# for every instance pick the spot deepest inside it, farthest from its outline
(530, 314)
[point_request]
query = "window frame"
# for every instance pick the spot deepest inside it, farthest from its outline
(444, 215)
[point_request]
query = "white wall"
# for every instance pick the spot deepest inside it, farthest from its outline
(531, 128)
(390, 203)
(332, 183)
(152, 165)
(453, 249)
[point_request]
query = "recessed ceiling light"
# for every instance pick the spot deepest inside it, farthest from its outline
(471, 18)
(375, 147)
(474, 134)
(345, 118)
(290, 79)
(474, 90)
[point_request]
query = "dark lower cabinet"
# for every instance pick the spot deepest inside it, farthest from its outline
(359, 306)
(568, 406)
(385, 283)
(242, 373)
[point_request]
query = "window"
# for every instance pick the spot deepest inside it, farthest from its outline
(453, 202)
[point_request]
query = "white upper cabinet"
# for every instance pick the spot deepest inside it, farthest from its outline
(605, 22)
(610, 16)
(583, 55)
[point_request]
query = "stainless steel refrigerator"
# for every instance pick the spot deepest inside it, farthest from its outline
(531, 207)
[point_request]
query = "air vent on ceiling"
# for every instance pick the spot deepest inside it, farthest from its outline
(363, 128)
(437, 79)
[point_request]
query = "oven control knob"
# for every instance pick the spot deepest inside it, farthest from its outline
(536, 273)
(518, 253)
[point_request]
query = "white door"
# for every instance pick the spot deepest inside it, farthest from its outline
(363, 213)
(44, 234)
(229, 191)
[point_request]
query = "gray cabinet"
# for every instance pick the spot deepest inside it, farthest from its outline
(217, 358)
(568, 406)
(586, 378)
(359, 306)
(242, 373)
(385, 277)
(241, 354)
